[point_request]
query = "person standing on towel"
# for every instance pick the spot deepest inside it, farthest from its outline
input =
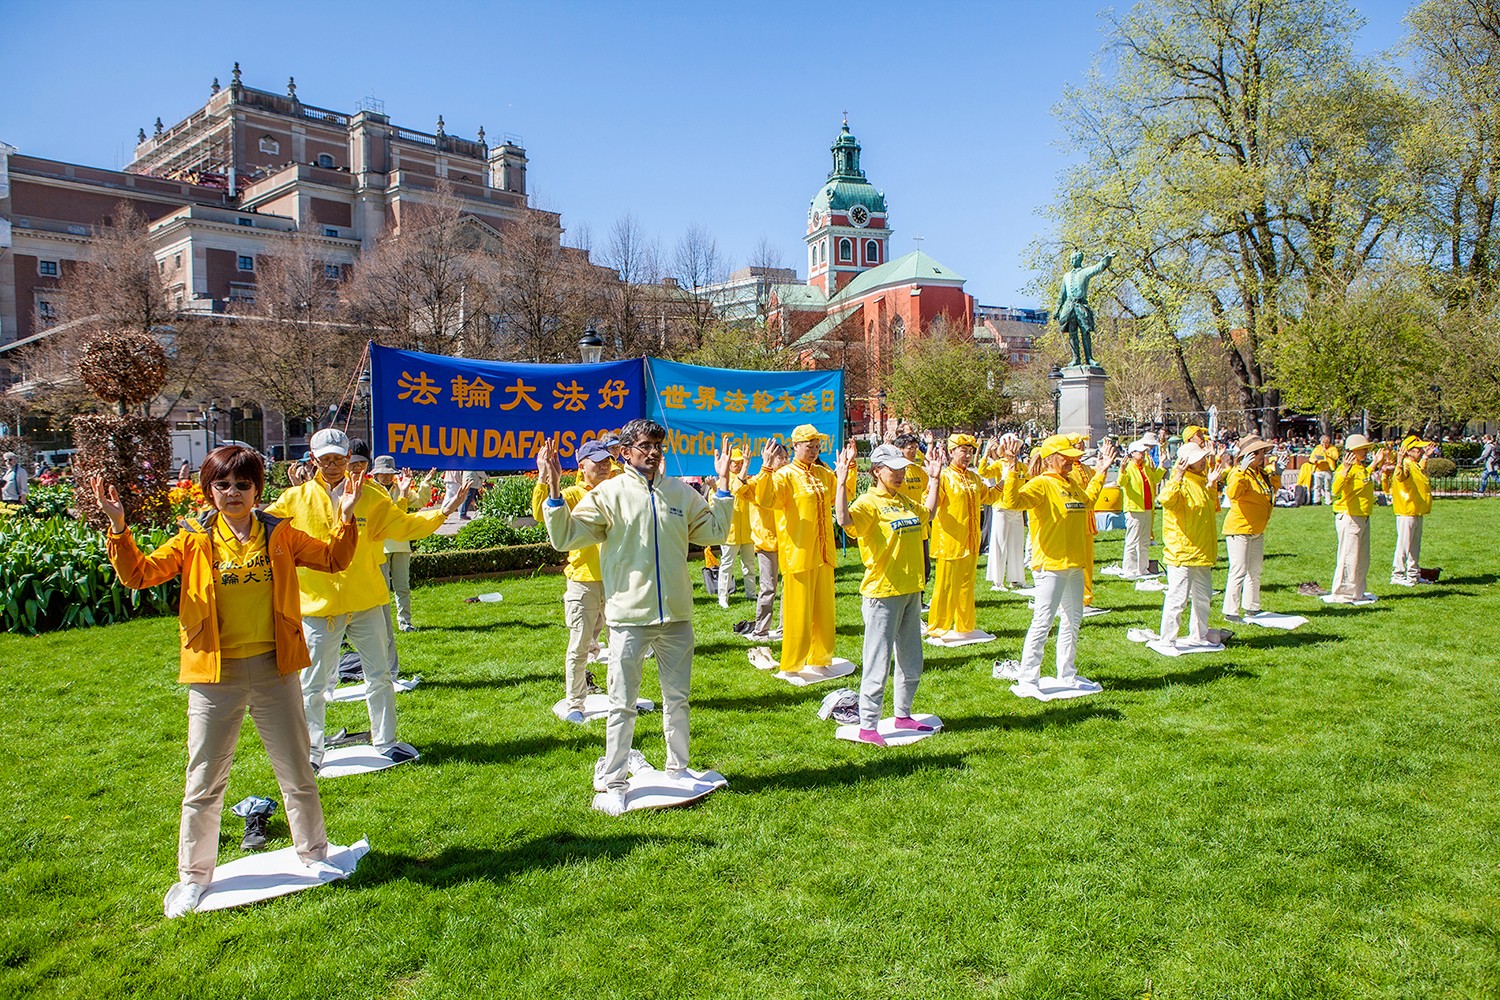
(1005, 566)
(241, 648)
(397, 567)
(1251, 496)
(1353, 500)
(583, 597)
(889, 528)
(962, 496)
(355, 602)
(1323, 460)
(766, 539)
(1140, 482)
(1190, 539)
(642, 522)
(1081, 479)
(739, 546)
(801, 494)
(914, 488)
(1411, 498)
(1058, 510)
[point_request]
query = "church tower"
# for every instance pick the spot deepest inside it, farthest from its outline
(847, 231)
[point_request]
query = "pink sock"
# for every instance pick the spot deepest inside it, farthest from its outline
(871, 736)
(907, 722)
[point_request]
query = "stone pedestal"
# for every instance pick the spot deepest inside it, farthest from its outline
(1080, 404)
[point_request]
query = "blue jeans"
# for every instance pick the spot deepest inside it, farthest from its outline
(1485, 478)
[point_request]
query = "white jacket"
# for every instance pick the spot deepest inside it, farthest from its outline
(643, 530)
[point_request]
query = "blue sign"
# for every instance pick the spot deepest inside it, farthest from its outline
(699, 405)
(432, 411)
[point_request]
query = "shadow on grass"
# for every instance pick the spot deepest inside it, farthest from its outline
(1203, 675)
(479, 683)
(1483, 581)
(885, 765)
(529, 625)
(782, 694)
(508, 750)
(1052, 715)
(1274, 638)
(454, 865)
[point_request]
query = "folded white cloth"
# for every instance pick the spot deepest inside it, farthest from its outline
(596, 706)
(817, 675)
(1150, 583)
(653, 789)
(1270, 619)
(275, 873)
(969, 639)
(1052, 689)
(341, 762)
(356, 692)
(894, 737)
(1172, 649)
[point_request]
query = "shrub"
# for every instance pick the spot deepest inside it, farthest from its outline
(43, 502)
(54, 574)
(435, 543)
(1463, 452)
(472, 562)
(491, 532)
(509, 497)
(1440, 468)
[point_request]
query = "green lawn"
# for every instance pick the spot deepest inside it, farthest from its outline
(1308, 814)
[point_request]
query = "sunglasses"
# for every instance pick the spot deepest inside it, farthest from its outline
(237, 486)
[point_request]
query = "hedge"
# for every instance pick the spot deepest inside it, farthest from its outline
(475, 562)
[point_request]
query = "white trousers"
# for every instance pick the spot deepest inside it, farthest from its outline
(672, 643)
(368, 632)
(1246, 554)
(1352, 570)
(1407, 567)
(1186, 584)
(1137, 558)
(729, 555)
(1059, 594)
(1006, 564)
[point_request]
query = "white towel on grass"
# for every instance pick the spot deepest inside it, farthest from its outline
(274, 873)
(1051, 689)
(817, 675)
(1271, 619)
(1172, 649)
(893, 737)
(356, 692)
(596, 706)
(942, 640)
(340, 762)
(652, 789)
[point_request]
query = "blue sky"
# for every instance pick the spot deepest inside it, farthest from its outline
(676, 113)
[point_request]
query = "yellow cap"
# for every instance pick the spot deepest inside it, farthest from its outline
(960, 440)
(1412, 441)
(1058, 444)
(805, 432)
(736, 455)
(1191, 430)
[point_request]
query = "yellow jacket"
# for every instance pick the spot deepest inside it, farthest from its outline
(889, 529)
(1189, 535)
(1353, 490)
(1251, 497)
(1132, 486)
(1324, 459)
(803, 497)
(1410, 489)
(403, 501)
(361, 586)
(190, 553)
(583, 564)
(1059, 517)
(740, 531)
(962, 496)
(764, 521)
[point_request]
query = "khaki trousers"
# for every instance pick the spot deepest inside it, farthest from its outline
(1407, 566)
(583, 610)
(1242, 590)
(672, 643)
(1189, 588)
(767, 564)
(1137, 557)
(215, 713)
(729, 555)
(1352, 570)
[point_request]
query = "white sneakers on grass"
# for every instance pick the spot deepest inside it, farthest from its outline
(182, 898)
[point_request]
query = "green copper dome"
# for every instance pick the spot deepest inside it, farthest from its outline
(847, 185)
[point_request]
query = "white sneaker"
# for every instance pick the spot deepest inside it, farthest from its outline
(723, 601)
(636, 762)
(182, 898)
(599, 783)
(610, 803)
(325, 871)
(1238, 619)
(1007, 670)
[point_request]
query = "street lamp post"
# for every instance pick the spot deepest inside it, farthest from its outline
(364, 393)
(213, 426)
(880, 413)
(591, 346)
(1055, 377)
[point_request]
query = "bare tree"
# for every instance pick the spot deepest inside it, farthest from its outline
(635, 260)
(547, 292)
(696, 264)
(766, 254)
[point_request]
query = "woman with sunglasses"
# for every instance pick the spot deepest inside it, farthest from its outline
(241, 630)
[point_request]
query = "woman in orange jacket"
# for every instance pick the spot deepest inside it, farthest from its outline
(241, 630)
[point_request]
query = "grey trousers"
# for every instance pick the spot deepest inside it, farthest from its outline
(583, 610)
(673, 644)
(367, 631)
(397, 570)
(215, 714)
(767, 563)
(1351, 572)
(893, 630)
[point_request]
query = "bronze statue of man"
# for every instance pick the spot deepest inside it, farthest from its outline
(1073, 313)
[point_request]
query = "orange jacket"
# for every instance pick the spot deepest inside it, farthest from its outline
(190, 554)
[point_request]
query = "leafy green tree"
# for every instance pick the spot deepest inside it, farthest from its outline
(945, 380)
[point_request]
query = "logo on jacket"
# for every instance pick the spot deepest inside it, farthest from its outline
(676, 511)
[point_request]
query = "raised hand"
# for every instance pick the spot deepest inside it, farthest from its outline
(721, 462)
(1108, 452)
(772, 456)
(933, 466)
(109, 503)
(1010, 450)
(354, 488)
(403, 483)
(295, 475)
(844, 460)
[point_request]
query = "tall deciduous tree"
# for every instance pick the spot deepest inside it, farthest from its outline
(696, 264)
(634, 258)
(946, 380)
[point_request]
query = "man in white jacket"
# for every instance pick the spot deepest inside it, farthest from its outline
(643, 522)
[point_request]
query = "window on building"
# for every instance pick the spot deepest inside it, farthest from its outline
(872, 252)
(898, 329)
(269, 145)
(324, 160)
(47, 268)
(244, 221)
(846, 249)
(177, 260)
(332, 272)
(246, 263)
(46, 312)
(242, 293)
(330, 231)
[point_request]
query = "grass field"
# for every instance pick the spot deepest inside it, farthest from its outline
(1308, 814)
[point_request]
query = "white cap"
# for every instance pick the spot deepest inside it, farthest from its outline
(1192, 453)
(889, 456)
(1135, 446)
(329, 441)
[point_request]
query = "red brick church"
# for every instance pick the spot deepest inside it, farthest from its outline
(859, 305)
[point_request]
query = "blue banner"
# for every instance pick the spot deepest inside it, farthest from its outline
(698, 405)
(431, 411)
